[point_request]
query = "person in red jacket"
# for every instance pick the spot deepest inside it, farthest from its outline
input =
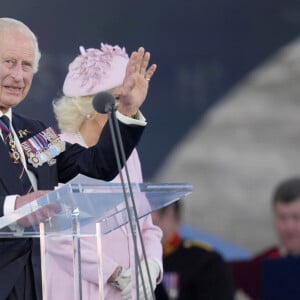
(248, 275)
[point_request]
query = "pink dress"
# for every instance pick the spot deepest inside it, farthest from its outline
(115, 250)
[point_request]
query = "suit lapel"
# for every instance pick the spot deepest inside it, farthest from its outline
(23, 133)
(25, 129)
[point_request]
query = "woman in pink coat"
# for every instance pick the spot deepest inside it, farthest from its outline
(93, 71)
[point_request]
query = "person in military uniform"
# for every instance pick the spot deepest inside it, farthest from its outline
(192, 270)
(249, 275)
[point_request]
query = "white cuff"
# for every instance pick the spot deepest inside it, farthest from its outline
(8, 208)
(139, 120)
(9, 204)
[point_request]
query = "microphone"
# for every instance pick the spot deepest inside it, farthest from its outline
(104, 102)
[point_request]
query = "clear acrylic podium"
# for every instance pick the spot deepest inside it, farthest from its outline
(86, 207)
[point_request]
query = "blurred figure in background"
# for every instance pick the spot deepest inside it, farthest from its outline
(286, 209)
(249, 275)
(94, 71)
(192, 270)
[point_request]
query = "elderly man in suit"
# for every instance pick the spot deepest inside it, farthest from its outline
(33, 158)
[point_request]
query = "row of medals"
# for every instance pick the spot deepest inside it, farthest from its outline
(39, 158)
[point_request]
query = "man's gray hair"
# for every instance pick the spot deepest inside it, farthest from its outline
(9, 24)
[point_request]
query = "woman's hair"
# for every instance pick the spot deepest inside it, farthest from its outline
(70, 112)
(11, 25)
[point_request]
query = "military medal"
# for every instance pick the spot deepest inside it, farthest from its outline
(35, 160)
(9, 139)
(43, 147)
(22, 133)
(14, 153)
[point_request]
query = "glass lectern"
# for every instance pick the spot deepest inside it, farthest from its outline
(86, 207)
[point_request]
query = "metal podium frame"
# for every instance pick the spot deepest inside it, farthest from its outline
(87, 207)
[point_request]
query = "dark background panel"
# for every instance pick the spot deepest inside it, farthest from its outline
(202, 48)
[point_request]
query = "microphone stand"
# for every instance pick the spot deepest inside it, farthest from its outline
(110, 109)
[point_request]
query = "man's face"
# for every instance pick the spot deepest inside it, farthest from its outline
(287, 221)
(16, 68)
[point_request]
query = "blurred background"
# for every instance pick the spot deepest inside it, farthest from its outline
(223, 107)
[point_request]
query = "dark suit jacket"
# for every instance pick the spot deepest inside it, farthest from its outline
(195, 272)
(98, 162)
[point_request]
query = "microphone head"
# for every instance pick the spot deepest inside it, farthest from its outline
(104, 102)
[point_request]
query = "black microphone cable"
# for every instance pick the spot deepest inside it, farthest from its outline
(104, 102)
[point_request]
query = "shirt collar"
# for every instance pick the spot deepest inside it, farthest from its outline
(8, 114)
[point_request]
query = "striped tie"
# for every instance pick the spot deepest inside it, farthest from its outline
(14, 153)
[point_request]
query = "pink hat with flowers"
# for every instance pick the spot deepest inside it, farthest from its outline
(96, 70)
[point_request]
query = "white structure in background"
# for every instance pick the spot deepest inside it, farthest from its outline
(238, 153)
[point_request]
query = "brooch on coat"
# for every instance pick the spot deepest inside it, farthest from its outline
(22, 133)
(43, 147)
